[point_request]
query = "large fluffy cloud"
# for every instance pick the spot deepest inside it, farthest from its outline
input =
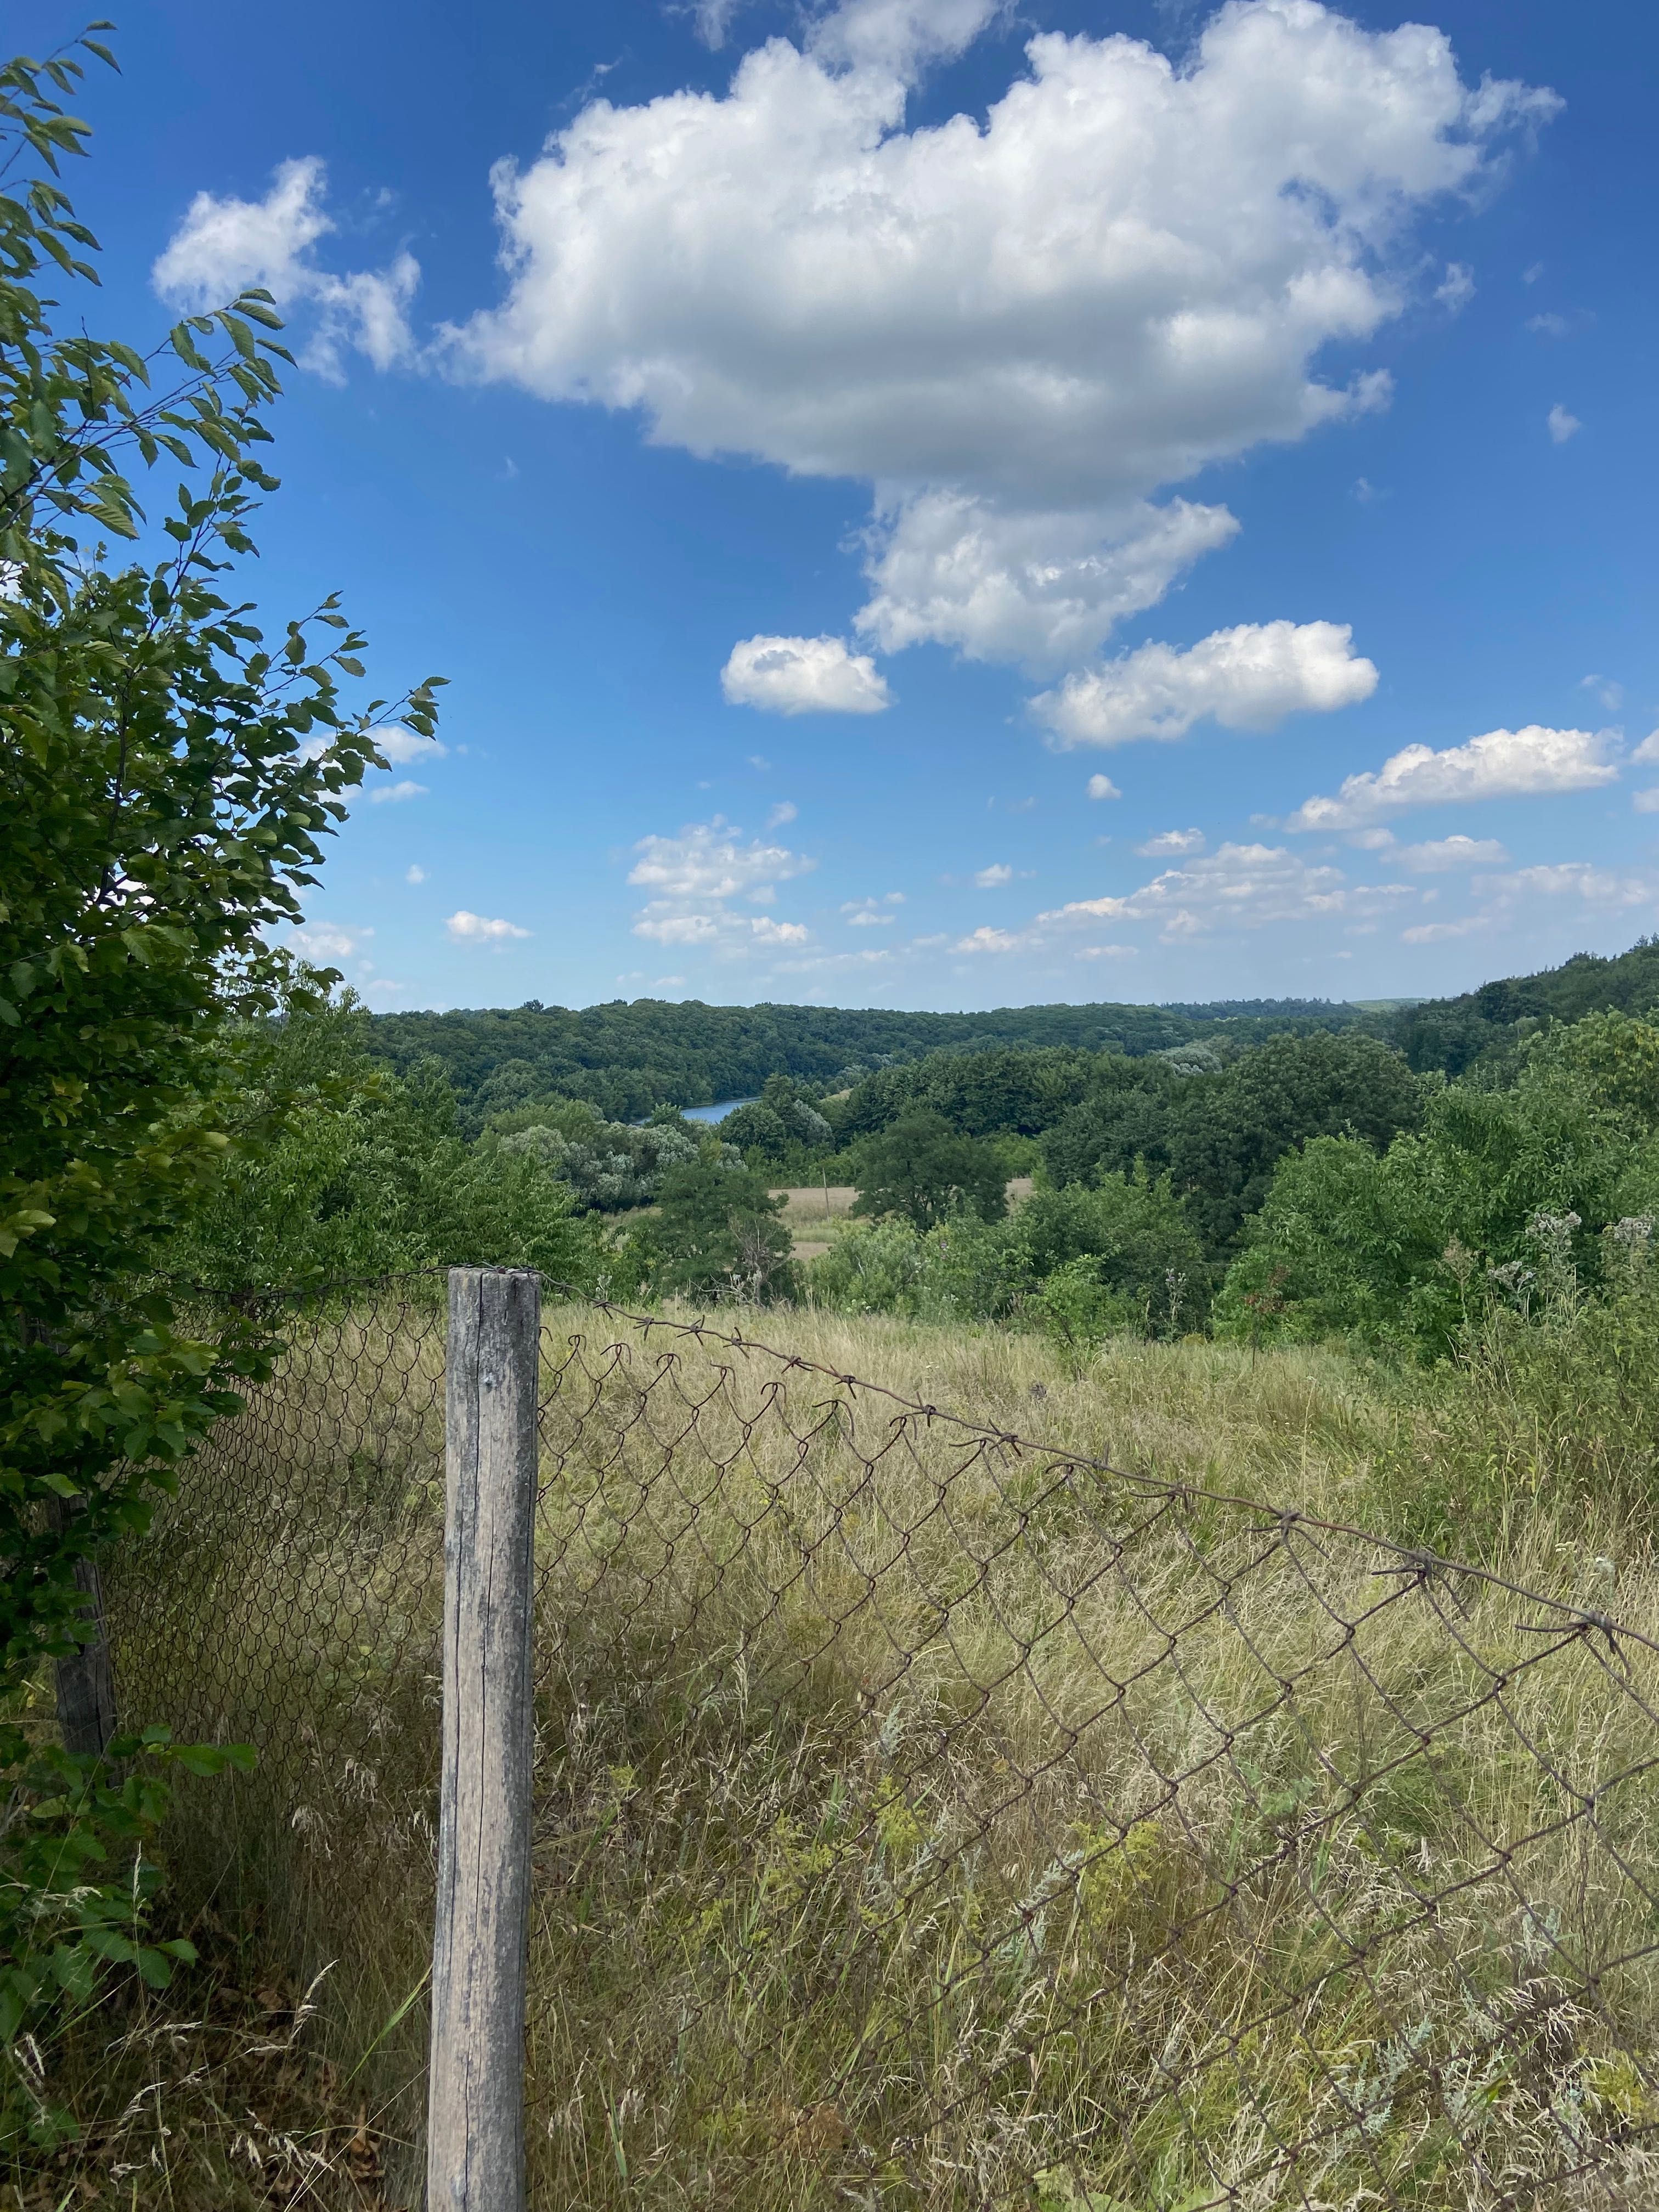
(1501, 764)
(691, 878)
(803, 676)
(1249, 679)
(224, 246)
(1028, 585)
(1019, 329)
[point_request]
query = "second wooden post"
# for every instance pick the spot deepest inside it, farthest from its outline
(474, 2104)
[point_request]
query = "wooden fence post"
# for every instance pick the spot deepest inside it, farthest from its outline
(475, 2105)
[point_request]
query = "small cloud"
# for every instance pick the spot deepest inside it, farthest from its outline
(401, 745)
(1647, 802)
(1561, 426)
(320, 941)
(1171, 841)
(394, 794)
(1107, 952)
(759, 761)
(1442, 853)
(988, 940)
(1611, 695)
(1372, 840)
(1649, 749)
(1499, 764)
(1436, 932)
(224, 245)
(1248, 677)
(1548, 326)
(1102, 787)
(1456, 288)
(1365, 493)
(803, 676)
(414, 874)
(865, 913)
(994, 878)
(784, 811)
(476, 929)
(1531, 275)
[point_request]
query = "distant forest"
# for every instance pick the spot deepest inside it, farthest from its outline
(626, 1057)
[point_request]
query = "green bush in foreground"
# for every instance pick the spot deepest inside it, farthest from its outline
(165, 780)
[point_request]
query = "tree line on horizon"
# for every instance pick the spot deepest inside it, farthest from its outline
(626, 1057)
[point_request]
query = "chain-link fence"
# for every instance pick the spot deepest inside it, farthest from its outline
(926, 1816)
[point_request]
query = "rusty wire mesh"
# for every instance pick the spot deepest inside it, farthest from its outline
(929, 1817)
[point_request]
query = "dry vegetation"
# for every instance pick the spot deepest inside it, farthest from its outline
(922, 1821)
(813, 1213)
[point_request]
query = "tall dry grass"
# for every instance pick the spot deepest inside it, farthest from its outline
(926, 1822)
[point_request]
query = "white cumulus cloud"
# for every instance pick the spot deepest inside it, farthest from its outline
(1018, 328)
(1441, 853)
(1248, 677)
(1501, 764)
(1169, 842)
(1028, 584)
(1237, 887)
(401, 745)
(227, 245)
(803, 676)
(1561, 425)
(1102, 787)
(693, 878)
(393, 794)
(994, 878)
(1509, 900)
(321, 942)
(478, 929)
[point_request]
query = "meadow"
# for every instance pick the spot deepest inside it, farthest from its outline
(924, 1819)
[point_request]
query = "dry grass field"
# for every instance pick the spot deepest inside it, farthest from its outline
(813, 1212)
(925, 1821)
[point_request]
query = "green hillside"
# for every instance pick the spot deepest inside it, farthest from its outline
(627, 1056)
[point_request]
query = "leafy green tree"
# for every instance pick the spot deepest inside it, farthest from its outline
(921, 1169)
(367, 1173)
(165, 780)
(1122, 1124)
(872, 1266)
(1228, 1132)
(1128, 1234)
(780, 1122)
(717, 1234)
(1389, 1248)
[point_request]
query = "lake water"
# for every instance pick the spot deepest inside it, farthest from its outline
(718, 1112)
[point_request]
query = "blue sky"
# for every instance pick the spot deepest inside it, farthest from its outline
(823, 446)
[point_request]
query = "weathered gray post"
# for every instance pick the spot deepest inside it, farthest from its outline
(474, 2104)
